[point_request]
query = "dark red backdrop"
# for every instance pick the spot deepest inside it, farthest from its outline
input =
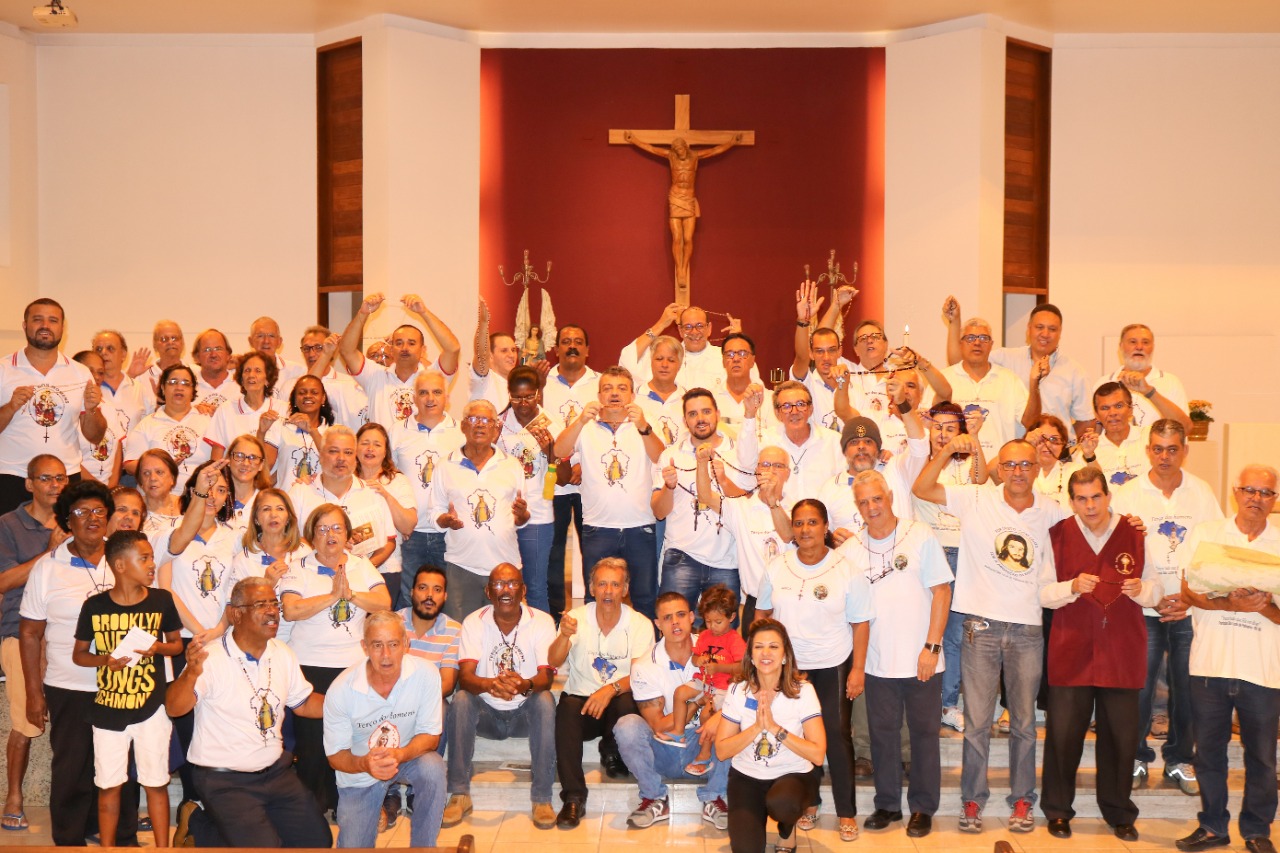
(551, 183)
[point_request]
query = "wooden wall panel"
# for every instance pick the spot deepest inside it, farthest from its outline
(1026, 169)
(340, 178)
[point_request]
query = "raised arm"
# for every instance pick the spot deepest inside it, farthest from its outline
(353, 335)
(707, 494)
(807, 304)
(1138, 384)
(951, 317)
(450, 348)
(644, 146)
(669, 316)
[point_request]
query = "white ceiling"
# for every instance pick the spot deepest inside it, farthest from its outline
(650, 16)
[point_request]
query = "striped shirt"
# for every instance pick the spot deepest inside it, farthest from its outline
(439, 643)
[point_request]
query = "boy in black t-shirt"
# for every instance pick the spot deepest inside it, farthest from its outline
(129, 706)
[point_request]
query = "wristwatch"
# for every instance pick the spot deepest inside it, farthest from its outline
(781, 734)
(617, 689)
(648, 430)
(933, 648)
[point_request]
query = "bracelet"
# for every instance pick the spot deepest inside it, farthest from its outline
(802, 324)
(903, 407)
(617, 689)
(650, 333)
(203, 497)
(1089, 459)
(1150, 393)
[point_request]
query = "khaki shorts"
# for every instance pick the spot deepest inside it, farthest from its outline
(16, 687)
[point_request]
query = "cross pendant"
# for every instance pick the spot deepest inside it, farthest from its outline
(1104, 620)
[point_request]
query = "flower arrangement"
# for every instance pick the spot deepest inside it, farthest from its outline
(1201, 410)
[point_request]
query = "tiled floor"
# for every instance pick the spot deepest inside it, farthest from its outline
(605, 830)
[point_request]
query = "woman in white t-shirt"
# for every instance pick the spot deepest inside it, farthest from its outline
(772, 731)
(297, 438)
(376, 470)
(156, 473)
(176, 427)
(326, 595)
(826, 606)
(253, 412)
(1054, 456)
(247, 455)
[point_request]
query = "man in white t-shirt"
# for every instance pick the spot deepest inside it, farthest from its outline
(239, 686)
(1235, 668)
(504, 691)
(814, 451)
(654, 679)
(46, 400)
(215, 380)
(988, 393)
(1171, 502)
(861, 442)
(597, 642)
(390, 388)
(617, 449)
(383, 719)
(1122, 448)
(1168, 398)
(1005, 557)
(911, 580)
(818, 355)
(130, 399)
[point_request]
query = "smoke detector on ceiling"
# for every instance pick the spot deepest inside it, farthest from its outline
(54, 16)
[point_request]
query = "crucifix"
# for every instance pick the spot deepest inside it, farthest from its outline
(682, 206)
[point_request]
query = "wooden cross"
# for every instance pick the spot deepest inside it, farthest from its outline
(682, 206)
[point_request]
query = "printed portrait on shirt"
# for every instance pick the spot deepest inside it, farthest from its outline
(181, 442)
(506, 657)
(668, 429)
(385, 735)
(569, 411)
(481, 506)
(1015, 552)
(209, 571)
(615, 464)
(47, 405)
(305, 463)
(402, 403)
(426, 462)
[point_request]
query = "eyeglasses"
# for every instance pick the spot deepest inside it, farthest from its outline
(1024, 465)
(170, 339)
(260, 606)
(505, 584)
(738, 354)
(976, 339)
(1254, 492)
(185, 383)
(694, 327)
(1051, 439)
(105, 348)
(478, 420)
(869, 338)
(525, 398)
(101, 511)
(246, 457)
(208, 350)
(797, 406)
(778, 466)
(313, 347)
(46, 479)
(325, 529)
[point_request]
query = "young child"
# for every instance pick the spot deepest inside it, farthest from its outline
(718, 654)
(129, 706)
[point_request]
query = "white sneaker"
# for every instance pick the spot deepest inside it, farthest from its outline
(1185, 776)
(1139, 772)
(953, 718)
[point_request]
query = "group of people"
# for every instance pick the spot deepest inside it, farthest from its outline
(322, 586)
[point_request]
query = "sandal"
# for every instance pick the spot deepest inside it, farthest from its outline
(808, 820)
(16, 822)
(698, 768)
(849, 831)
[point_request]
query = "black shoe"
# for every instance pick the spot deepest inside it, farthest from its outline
(570, 815)
(881, 818)
(1201, 839)
(1126, 832)
(1060, 827)
(614, 767)
(1260, 844)
(919, 825)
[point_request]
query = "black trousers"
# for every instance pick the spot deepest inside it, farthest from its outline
(1070, 709)
(829, 684)
(748, 614)
(889, 700)
(313, 765)
(573, 729)
(753, 801)
(566, 508)
(73, 799)
(266, 809)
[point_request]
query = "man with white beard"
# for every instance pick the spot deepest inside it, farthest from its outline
(1137, 348)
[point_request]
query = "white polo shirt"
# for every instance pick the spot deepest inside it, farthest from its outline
(1006, 590)
(563, 402)
(1000, 397)
(56, 590)
(240, 702)
(235, 418)
(902, 568)
(814, 462)
(287, 373)
(1127, 460)
(1227, 644)
(1053, 485)
(665, 416)
(523, 651)
(818, 604)
(701, 369)
(50, 421)
(491, 387)
(1064, 392)
(520, 444)
(208, 393)
(371, 522)
(764, 757)
(1166, 384)
(1168, 520)
(867, 392)
(390, 398)
(617, 476)
(692, 526)
(253, 564)
(183, 439)
(201, 574)
(824, 397)
(418, 452)
(596, 658)
(131, 402)
(482, 500)
(756, 540)
(99, 460)
(297, 456)
(733, 416)
(899, 472)
(330, 638)
(656, 675)
(347, 399)
(358, 718)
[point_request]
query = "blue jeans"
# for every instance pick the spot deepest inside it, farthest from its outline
(689, 577)
(633, 544)
(566, 508)
(358, 808)
(420, 549)
(535, 554)
(1173, 638)
(1212, 701)
(651, 762)
(1019, 650)
(535, 719)
(951, 642)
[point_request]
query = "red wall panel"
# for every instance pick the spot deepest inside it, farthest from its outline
(551, 183)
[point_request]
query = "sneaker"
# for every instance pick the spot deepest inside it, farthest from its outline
(649, 812)
(1139, 772)
(1185, 776)
(716, 813)
(1022, 820)
(971, 818)
(953, 718)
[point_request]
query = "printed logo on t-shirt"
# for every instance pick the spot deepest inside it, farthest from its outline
(482, 504)
(212, 399)
(385, 736)
(974, 416)
(122, 418)
(102, 450)
(426, 462)
(209, 571)
(1119, 478)
(528, 459)
(569, 412)
(305, 463)
(128, 688)
(615, 464)
(47, 406)
(266, 712)
(765, 748)
(341, 612)
(402, 403)
(1014, 551)
(831, 422)
(668, 430)
(181, 442)
(603, 667)
(1173, 532)
(506, 657)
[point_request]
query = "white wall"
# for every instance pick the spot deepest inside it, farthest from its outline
(19, 282)
(1165, 207)
(178, 178)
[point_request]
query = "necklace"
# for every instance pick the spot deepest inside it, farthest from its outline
(889, 558)
(264, 715)
(786, 561)
(81, 562)
(795, 463)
